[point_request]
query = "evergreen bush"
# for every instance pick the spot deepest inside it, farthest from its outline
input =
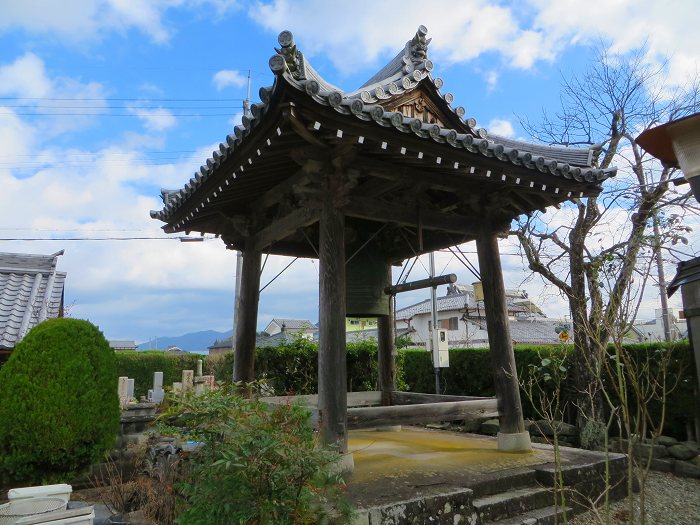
(60, 410)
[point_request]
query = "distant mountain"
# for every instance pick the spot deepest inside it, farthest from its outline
(197, 342)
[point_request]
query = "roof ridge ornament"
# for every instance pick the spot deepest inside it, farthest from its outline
(419, 45)
(293, 58)
(416, 53)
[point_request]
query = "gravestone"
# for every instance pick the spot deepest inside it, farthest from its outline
(123, 390)
(187, 380)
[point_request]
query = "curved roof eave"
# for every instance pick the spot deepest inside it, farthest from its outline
(290, 66)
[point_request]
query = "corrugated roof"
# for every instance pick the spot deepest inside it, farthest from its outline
(31, 290)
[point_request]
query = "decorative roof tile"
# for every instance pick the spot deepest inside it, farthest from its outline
(31, 290)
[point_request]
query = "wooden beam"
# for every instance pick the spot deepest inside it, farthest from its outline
(500, 342)
(332, 366)
(244, 350)
(376, 210)
(283, 227)
(422, 283)
(419, 398)
(423, 413)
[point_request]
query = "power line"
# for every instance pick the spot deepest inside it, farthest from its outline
(71, 239)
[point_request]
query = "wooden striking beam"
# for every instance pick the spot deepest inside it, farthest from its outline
(423, 283)
(380, 211)
(422, 413)
(283, 227)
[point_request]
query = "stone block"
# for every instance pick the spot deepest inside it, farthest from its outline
(547, 428)
(686, 469)
(646, 450)
(692, 445)
(199, 368)
(663, 465)
(131, 383)
(680, 451)
(666, 441)
(490, 427)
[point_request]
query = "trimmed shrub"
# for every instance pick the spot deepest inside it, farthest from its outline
(59, 410)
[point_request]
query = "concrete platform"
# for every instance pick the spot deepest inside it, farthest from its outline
(426, 476)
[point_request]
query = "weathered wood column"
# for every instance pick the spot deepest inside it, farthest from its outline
(512, 435)
(386, 349)
(332, 368)
(244, 351)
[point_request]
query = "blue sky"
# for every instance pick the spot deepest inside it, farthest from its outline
(102, 102)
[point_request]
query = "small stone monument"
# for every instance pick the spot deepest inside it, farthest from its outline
(199, 368)
(187, 380)
(130, 389)
(123, 390)
(157, 394)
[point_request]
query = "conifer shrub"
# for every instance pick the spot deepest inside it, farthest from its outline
(60, 410)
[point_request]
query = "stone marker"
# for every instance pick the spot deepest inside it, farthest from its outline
(157, 394)
(123, 390)
(177, 387)
(199, 368)
(130, 389)
(187, 380)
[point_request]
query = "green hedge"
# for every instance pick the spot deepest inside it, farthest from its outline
(292, 368)
(141, 365)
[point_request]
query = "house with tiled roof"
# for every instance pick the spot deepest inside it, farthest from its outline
(294, 326)
(31, 291)
(464, 317)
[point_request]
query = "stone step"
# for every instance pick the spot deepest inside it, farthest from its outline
(511, 503)
(544, 516)
(496, 482)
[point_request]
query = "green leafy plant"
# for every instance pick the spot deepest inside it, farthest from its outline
(59, 411)
(254, 463)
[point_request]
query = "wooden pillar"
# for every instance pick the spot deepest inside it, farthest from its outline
(386, 350)
(512, 435)
(332, 367)
(244, 351)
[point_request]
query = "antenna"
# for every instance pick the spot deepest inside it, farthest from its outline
(246, 102)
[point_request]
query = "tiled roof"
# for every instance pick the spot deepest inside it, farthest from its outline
(293, 324)
(459, 301)
(537, 331)
(31, 290)
(405, 72)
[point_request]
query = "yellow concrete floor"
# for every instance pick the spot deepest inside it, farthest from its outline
(426, 453)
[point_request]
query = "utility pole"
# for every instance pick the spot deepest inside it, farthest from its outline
(662, 281)
(239, 254)
(433, 331)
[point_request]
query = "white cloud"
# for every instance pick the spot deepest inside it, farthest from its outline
(156, 119)
(81, 20)
(25, 77)
(228, 77)
(501, 127)
(462, 30)
(669, 30)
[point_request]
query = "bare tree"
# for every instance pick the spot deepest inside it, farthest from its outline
(591, 249)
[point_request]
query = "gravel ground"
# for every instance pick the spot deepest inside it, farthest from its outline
(669, 501)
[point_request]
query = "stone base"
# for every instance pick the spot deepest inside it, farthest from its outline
(519, 442)
(345, 464)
